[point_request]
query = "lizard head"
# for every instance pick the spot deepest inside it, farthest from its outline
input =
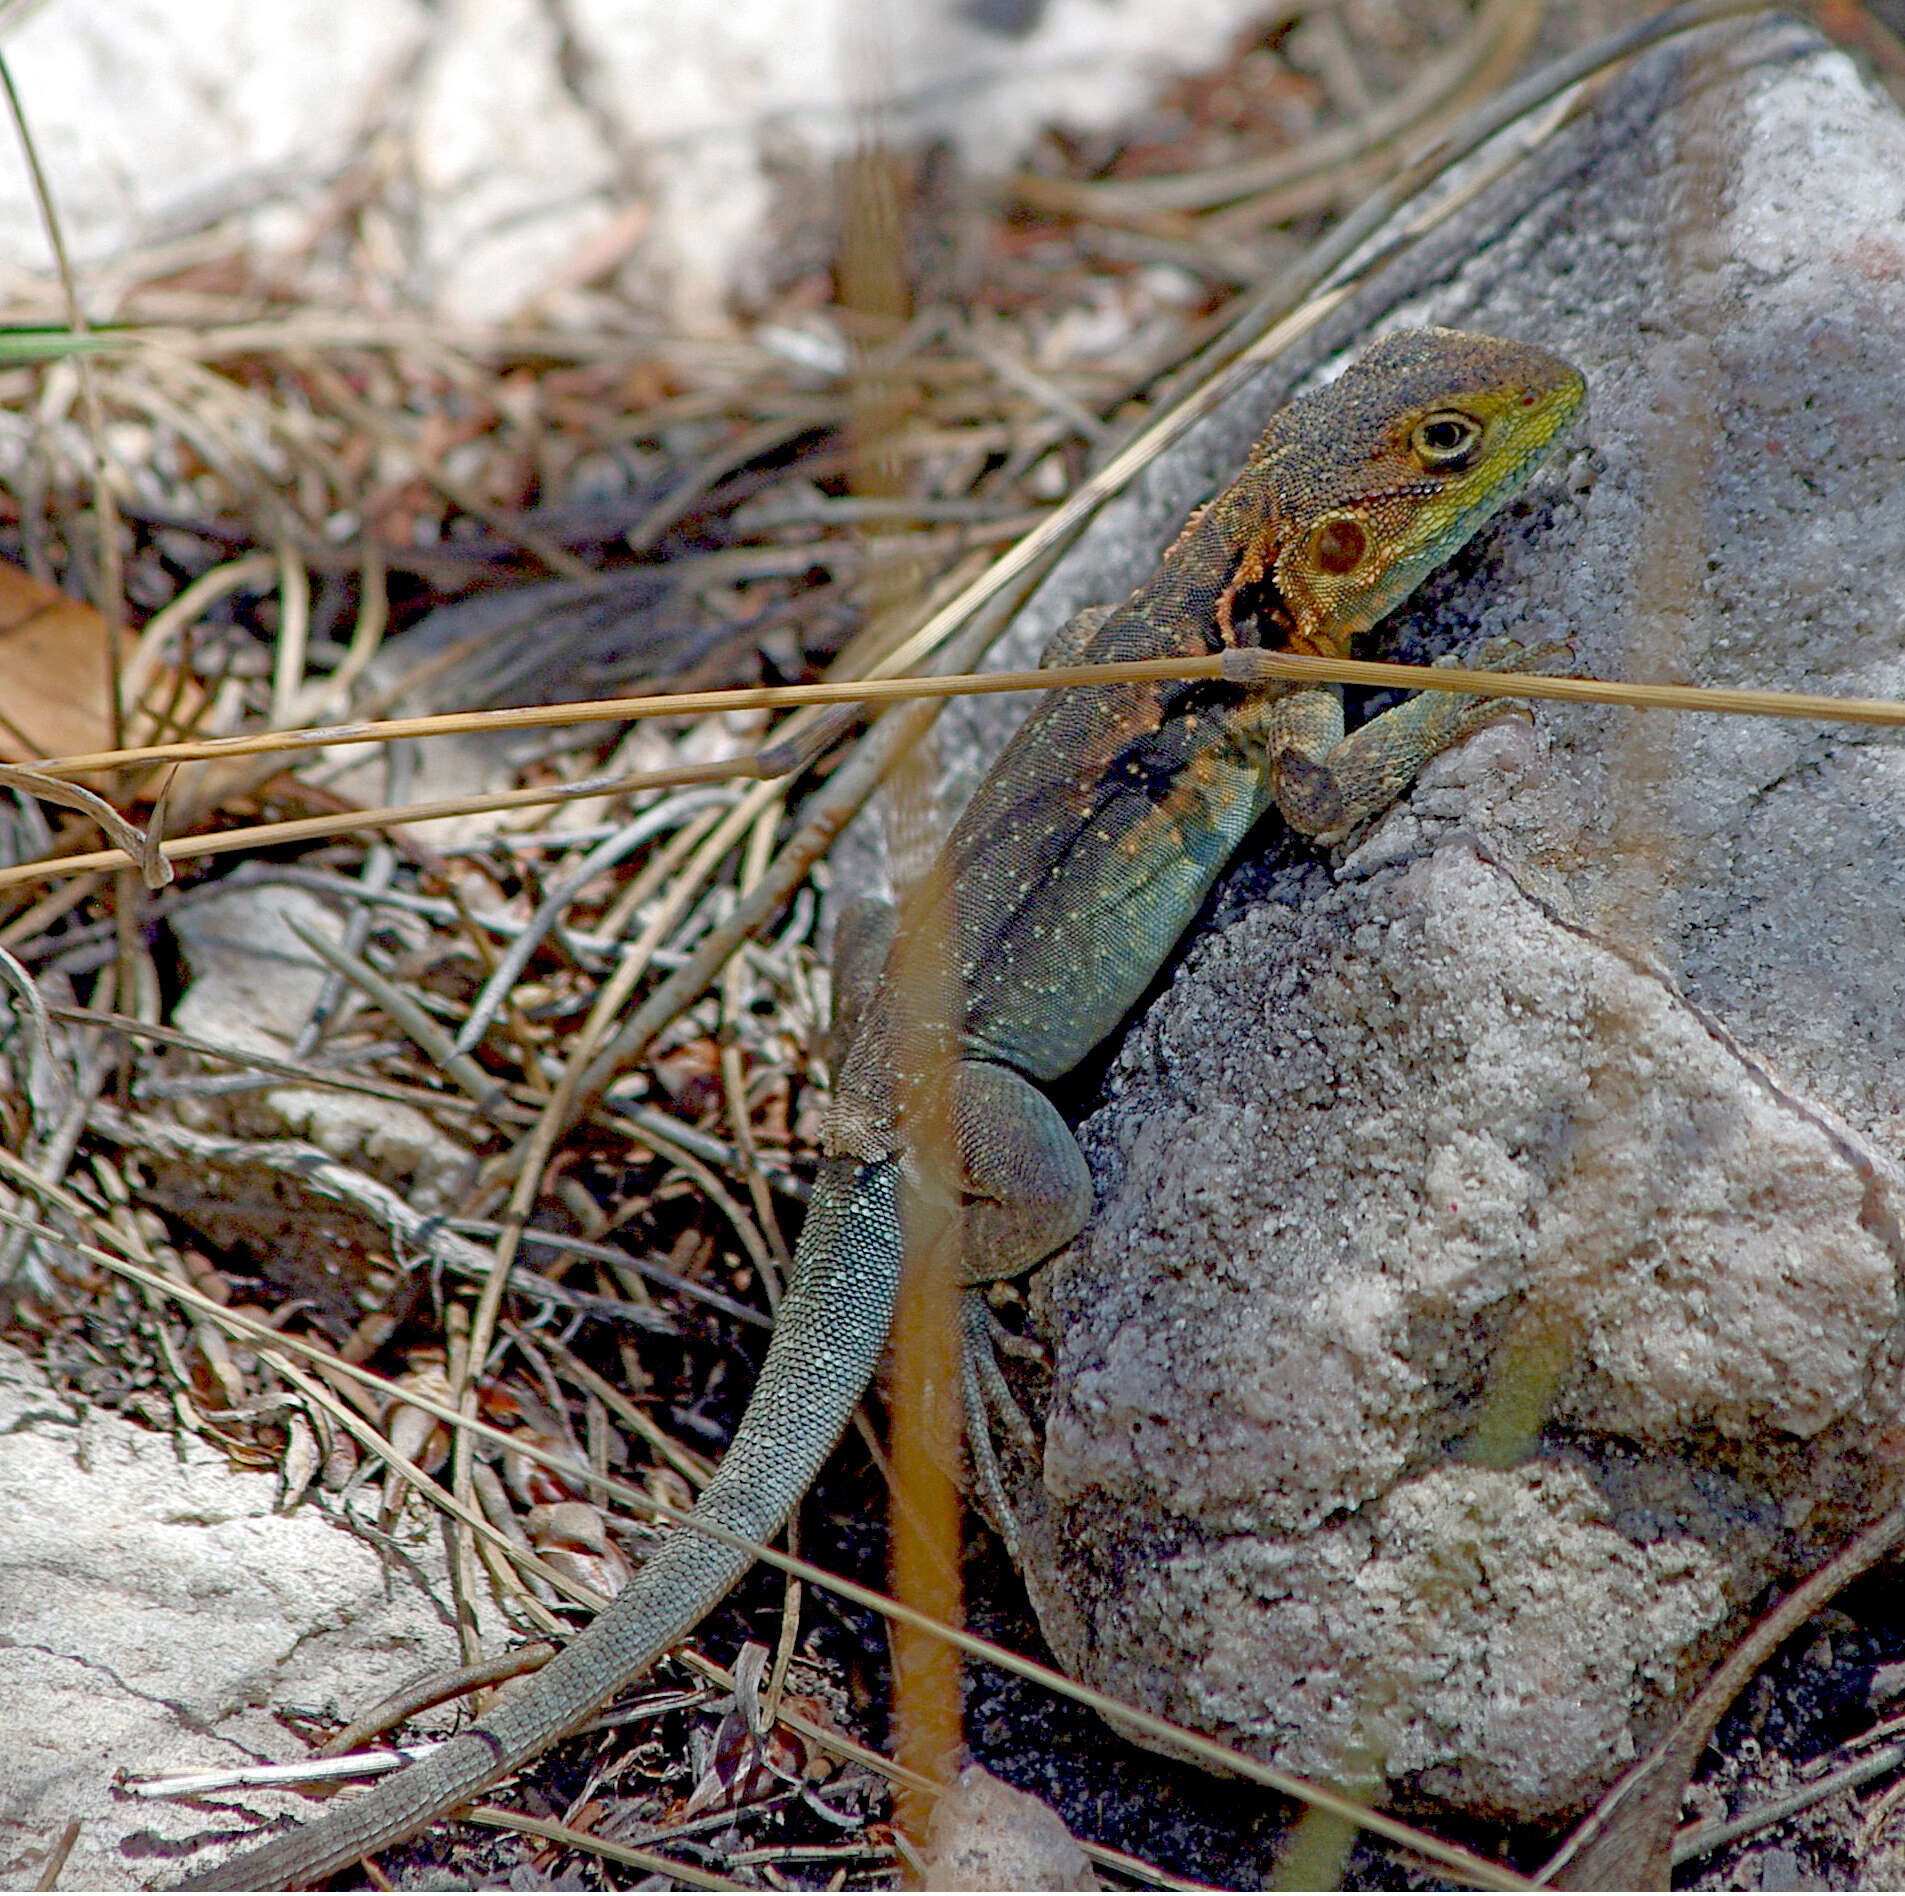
(1382, 474)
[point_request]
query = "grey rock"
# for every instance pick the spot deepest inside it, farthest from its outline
(1468, 1329)
(156, 1613)
(1495, 1279)
(985, 1835)
(254, 984)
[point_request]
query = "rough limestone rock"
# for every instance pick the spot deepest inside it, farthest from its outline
(1464, 1173)
(1495, 1277)
(520, 151)
(985, 1835)
(154, 1612)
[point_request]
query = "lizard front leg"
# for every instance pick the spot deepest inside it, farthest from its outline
(1326, 783)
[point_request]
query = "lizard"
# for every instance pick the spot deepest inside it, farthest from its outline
(1082, 857)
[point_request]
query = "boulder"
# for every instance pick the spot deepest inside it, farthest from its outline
(1494, 1281)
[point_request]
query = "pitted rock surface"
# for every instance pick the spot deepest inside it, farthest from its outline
(1495, 1278)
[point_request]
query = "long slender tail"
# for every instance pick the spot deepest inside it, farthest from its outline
(832, 1327)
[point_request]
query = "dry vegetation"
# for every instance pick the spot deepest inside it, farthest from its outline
(321, 509)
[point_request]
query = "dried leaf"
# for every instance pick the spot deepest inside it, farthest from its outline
(302, 1460)
(742, 1769)
(53, 671)
(572, 1537)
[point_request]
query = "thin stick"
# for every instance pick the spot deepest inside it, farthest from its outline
(1698, 1840)
(1240, 666)
(1244, 667)
(55, 1863)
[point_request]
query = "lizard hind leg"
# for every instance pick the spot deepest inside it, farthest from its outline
(988, 1395)
(1025, 1184)
(1027, 1193)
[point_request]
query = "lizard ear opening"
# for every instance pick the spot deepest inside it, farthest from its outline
(1337, 545)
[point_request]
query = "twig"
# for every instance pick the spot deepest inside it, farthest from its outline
(317, 1171)
(325, 1768)
(1698, 1840)
(55, 1864)
(646, 1861)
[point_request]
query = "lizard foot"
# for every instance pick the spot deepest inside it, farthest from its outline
(988, 1397)
(1501, 655)
(1509, 655)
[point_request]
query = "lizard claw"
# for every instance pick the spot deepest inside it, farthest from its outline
(1503, 655)
(988, 1396)
(1509, 655)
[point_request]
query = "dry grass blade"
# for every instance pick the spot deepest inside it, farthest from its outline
(650, 1862)
(1698, 1840)
(379, 1446)
(258, 836)
(240, 575)
(55, 1864)
(484, 1093)
(1627, 1843)
(135, 846)
(436, 1690)
(1242, 667)
(313, 1770)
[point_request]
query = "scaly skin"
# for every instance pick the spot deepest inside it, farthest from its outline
(1079, 862)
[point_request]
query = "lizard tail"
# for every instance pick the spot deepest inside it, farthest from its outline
(832, 1326)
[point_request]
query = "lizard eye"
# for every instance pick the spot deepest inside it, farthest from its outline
(1446, 439)
(1337, 545)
